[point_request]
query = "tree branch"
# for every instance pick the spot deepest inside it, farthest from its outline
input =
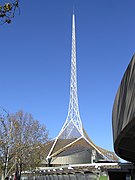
(7, 12)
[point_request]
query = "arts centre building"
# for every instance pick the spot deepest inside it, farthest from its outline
(73, 145)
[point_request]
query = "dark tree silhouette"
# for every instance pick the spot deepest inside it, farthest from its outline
(7, 11)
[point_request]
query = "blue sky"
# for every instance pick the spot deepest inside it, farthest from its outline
(35, 51)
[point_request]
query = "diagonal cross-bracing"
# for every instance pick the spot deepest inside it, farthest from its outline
(72, 136)
(72, 129)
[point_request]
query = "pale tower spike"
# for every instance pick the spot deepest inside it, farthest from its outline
(72, 131)
(72, 128)
(73, 110)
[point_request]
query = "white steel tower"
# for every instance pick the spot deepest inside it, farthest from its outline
(72, 128)
(73, 111)
(73, 125)
(72, 134)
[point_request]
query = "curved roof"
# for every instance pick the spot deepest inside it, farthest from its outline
(123, 115)
(63, 147)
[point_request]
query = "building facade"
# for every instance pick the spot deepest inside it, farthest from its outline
(124, 115)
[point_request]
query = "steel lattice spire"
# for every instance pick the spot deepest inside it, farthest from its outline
(73, 125)
(72, 129)
(72, 132)
(73, 111)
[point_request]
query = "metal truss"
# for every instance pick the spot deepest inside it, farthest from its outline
(72, 131)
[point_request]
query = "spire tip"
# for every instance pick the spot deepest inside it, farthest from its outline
(73, 10)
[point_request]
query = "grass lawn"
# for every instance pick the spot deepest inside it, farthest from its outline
(103, 178)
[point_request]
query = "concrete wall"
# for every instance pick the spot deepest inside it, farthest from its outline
(76, 158)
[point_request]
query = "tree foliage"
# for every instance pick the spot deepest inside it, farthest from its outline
(7, 11)
(22, 140)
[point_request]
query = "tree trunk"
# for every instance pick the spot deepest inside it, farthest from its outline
(2, 176)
